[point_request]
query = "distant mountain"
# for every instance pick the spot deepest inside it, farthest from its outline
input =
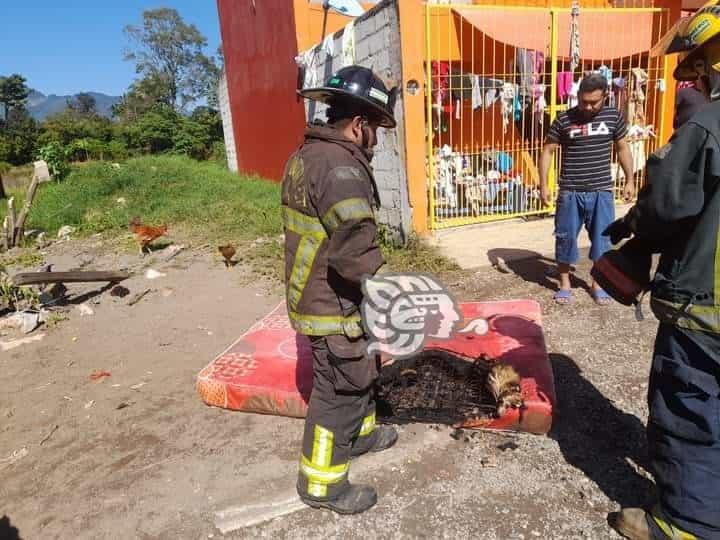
(41, 106)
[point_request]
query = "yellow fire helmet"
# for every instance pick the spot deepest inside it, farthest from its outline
(697, 39)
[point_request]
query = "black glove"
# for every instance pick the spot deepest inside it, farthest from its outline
(617, 231)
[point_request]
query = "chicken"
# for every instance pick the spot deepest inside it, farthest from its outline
(503, 382)
(228, 252)
(145, 234)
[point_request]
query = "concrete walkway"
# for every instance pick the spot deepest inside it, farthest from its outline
(477, 246)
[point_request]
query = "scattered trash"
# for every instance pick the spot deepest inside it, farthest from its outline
(89, 404)
(65, 232)
(47, 437)
(116, 386)
(488, 463)
(171, 252)
(24, 321)
(9, 345)
(167, 291)
(123, 405)
(41, 239)
(84, 310)
(153, 274)
(115, 165)
(68, 398)
(138, 386)
(74, 339)
(71, 363)
(16, 456)
(139, 296)
(44, 385)
(121, 201)
(98, 375)
(119, 291)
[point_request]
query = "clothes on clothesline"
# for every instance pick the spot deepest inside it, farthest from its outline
(348, 44)
(564, 84)
(529, 65)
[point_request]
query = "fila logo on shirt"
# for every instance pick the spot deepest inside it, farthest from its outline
(589, 130)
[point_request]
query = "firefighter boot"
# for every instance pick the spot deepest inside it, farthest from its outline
(637, 524)
(382, 438)
(632, 523)
(354, 500)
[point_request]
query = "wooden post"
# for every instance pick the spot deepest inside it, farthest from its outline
(11, 222)
(6, 233)
(20, 227)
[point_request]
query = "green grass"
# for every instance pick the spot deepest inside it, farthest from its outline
(200, 197)
(416, 256)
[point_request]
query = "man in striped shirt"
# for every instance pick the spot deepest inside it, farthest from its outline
(586, 135)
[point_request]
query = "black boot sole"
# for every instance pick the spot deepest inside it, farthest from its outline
(327, 506)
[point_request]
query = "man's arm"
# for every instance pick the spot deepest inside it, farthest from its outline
(546, 157)
(345, 212)
(625, 158)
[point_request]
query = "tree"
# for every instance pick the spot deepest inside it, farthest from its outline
(142, 96)
(19, 137)
(83, 104)
(13, 93)
(170, 51)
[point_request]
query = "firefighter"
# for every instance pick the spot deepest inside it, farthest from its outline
(677, 215)
(328, 196)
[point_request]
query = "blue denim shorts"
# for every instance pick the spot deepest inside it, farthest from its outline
(595, 210)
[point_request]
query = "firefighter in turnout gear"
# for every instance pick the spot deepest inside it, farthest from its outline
(328, 196)
(678, 216)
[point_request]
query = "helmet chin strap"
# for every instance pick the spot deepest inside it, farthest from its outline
(714, 78)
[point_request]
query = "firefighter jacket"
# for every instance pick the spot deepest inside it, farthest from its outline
(328, 196)
(679, 213)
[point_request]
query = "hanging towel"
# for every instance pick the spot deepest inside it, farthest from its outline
(564, 84)
(477, 93)
(507, 95)
(573, 94)
(525, 68)
(328, 45)
(348, 44)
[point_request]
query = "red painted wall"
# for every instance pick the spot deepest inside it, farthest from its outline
(260, 44)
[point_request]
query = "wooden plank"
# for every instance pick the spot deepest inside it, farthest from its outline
(36, 278)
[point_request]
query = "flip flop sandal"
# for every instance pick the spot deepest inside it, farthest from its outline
(601, 297)
(564, 297)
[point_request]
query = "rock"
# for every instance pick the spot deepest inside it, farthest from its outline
(65, 231)
(115, 165)
(121, 201)
(153, 274)
(84, 310)
(23, 321)
(119, 291)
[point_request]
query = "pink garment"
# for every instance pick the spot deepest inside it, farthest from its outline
(564, 83)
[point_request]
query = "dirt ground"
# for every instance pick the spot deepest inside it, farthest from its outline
(138, 455)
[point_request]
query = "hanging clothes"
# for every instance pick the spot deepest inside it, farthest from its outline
(573, 94)
(328, 45)
(440, 80)
(575, 36)
(478, 99)
(564, 84)
(507, 97)
(348, 44)
(636, 101)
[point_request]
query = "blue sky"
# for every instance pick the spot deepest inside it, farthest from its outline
(68, 46)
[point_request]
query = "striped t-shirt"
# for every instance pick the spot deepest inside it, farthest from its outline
(586, 148)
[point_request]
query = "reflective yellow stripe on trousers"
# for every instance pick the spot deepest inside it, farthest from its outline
(317, 470)
(671, 531)
(368, 425)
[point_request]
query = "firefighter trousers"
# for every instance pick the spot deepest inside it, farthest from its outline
(684, 431)
(341, 415)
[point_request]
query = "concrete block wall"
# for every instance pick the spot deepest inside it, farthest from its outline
(377, 46)
(226, 115)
